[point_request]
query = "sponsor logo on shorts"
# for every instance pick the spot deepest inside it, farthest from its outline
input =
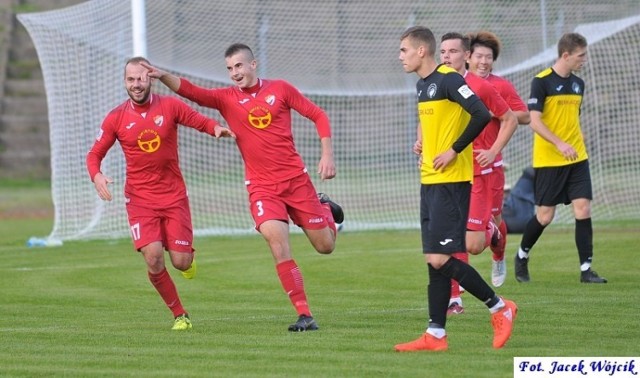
(474, 221)
(446, 241)
(316, 220)
(181, 242)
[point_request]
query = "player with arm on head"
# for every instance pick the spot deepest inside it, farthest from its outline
(146, 127)
(560, 157)
(481, 230)
(259, 112)
(485, 49)
(451, 117)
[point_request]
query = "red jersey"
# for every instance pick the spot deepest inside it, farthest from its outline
(498, 107)
(148, 135)
(510, 95)
(262, 124)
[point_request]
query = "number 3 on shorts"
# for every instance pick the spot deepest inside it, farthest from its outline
(260, 209)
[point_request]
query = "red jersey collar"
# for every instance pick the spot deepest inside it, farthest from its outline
(141, 107)
(253, 89)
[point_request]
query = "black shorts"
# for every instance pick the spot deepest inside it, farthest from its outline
(556, 185)
(444, 209)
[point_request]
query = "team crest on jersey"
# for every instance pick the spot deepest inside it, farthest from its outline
(270, 99)
(575, 87)
(259, 117)
(158, 120)
(431, 91)
(149, 141)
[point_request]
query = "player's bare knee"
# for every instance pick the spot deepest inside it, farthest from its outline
(544, 219)
(182, 265)
(474, 249)
(326, 248)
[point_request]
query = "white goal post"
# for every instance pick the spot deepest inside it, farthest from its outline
(343, 55)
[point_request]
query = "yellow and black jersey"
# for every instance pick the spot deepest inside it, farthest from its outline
(451, 116)
(559, 100)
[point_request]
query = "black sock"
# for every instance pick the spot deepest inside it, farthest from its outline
(531, 234)
(584, 240)
(439, 291)
(470, 279)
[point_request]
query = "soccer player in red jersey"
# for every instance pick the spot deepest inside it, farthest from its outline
(485, 48)
(451, 116)
(258, 111)
(146, 126)
(481, 230)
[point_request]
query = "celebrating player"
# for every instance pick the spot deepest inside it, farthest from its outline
(481, 229)
(485, 49)
(146, 126)
(259, 112)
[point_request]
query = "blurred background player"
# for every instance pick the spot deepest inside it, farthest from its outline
(146, 127)
(481, 229)
(258, 111)
(450, 116)
(560, 157)
(485, 49)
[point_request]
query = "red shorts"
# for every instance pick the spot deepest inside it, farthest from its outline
(480, 203)
(296, 199)
(497, 188)
(171, 225)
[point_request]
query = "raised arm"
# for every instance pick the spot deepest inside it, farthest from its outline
(171, 81)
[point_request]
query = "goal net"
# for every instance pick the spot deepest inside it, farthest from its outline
(344, 56)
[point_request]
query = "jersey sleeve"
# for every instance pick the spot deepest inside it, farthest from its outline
(298, 102)
(492, 100)
(200, 95)
(537, 96)
(513, 99)
(187, 116)
(104, 140)
(458, 91)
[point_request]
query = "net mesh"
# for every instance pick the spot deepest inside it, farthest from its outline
(344, 56)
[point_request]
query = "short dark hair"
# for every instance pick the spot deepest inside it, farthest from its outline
(236, 48)
(486, 39)
(453, 35)
(135, 60)
(569, 42)
(421, 34)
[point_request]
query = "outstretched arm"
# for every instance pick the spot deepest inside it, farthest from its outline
(170, 80)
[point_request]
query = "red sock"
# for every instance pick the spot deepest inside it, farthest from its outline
(329, 216)
(488, 233)
(167, 290)
(455, 286)
(498, 254)
(293, 285)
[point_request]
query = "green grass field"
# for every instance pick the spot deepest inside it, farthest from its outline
(87, 309)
